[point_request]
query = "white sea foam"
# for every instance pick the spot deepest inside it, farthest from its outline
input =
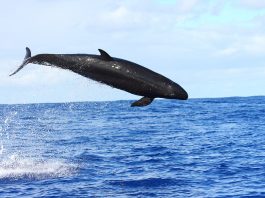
(16, 167)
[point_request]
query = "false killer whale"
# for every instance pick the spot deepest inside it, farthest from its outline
(115, 72)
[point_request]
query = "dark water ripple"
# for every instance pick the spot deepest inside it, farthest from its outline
(196, 148)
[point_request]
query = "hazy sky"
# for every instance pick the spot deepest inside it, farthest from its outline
(213, 48)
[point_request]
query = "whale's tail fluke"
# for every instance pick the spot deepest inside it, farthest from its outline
(25, 62)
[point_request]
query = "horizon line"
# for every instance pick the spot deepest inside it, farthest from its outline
(104, 101)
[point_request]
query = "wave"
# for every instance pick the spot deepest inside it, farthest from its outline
(147, 182)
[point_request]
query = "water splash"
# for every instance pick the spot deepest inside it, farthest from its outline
(17, 167)
(4, 129)
(1, 148)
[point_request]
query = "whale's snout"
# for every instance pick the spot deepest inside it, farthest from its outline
(177, 92)
(183, 95)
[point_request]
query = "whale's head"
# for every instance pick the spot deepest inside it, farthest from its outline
(175, 91)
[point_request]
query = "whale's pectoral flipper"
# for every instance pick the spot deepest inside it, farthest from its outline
(27, 57)
(144, 101)
(105, 56)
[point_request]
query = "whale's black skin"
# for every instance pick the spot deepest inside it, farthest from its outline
(115, 72)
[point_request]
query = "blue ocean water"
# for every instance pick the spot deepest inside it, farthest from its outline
(194, 148)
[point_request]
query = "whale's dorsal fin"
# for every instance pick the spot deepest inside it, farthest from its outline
(28, 53)
(144, 101)
(105, 56)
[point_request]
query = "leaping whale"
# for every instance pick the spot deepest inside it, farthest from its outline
(115, 72)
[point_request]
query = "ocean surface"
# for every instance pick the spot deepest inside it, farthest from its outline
(194, 148)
